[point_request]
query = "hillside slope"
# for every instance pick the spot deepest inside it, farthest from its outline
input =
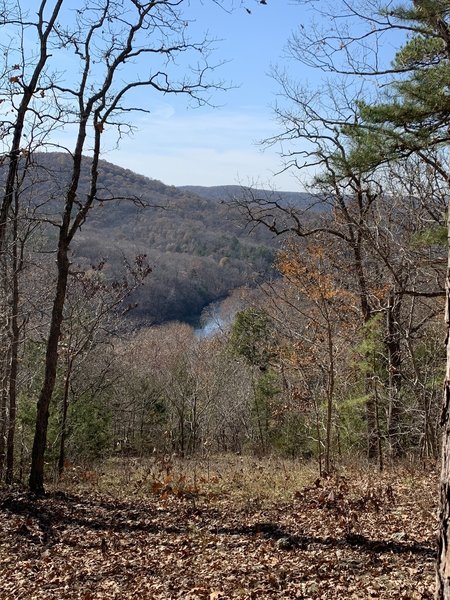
(228, 192)
(198, 249)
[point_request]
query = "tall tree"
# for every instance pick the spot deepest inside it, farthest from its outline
(346, 208)
(115, 47)
(23, 79)
(413, 118)
(326, 310)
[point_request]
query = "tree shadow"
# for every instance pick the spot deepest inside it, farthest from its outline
(60, 510)
(351, 540)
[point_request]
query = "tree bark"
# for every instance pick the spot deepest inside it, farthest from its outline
(443, 558)
(4, 413)
(14, 364)
(330, 394)
(393, 340)
(65, 407)
(36, 481)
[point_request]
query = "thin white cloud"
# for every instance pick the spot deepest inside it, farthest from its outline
(203, 148)
(202, 167)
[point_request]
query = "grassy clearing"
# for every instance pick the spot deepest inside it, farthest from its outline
(241, 477)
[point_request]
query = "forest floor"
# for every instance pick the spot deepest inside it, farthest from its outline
(219, 529)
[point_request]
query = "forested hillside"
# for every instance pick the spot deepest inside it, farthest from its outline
(226, 193)
(198, 248)
(335, 353)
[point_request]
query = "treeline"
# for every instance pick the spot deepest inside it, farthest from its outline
(338, 356)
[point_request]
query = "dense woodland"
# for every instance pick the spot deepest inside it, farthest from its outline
(323, 349)
(326, 345)
(198, 249)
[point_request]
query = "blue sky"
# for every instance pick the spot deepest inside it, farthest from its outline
(181, 145)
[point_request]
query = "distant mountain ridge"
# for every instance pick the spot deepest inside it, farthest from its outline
(196, 244)
(228, 192)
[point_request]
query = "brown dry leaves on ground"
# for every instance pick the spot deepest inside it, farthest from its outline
(357, 535)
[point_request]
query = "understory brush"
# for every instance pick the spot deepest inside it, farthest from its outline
(243, 479)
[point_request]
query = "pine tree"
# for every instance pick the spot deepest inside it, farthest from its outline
(414, 118)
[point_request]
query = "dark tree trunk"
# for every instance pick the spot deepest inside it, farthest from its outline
(36, 481)
(443, 559)
(4, 414)
(443, 555)
(65, 407)
(330, 395)
(393, 345)
(14, 365)
(4, 366)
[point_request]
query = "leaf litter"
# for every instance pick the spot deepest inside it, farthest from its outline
(355, 536)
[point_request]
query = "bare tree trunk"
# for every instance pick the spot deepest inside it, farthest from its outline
(36, 481)
(65, 407)
(21, 456)
(330, 396)
(14, 364)
(443, 558)
(4, 365)
(394, 365)
(319, 437)
(3, 416)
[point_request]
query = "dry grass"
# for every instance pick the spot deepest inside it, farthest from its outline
(265, 480)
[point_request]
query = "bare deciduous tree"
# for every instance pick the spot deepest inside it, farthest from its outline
(114, 48)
